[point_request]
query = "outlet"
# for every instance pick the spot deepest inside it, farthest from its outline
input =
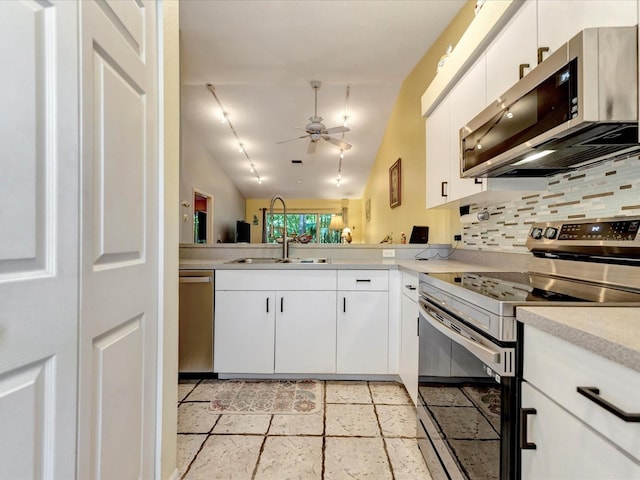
(388, 253)
(457, 238)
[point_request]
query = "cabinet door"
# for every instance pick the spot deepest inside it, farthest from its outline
(560, 20)
(468, 98)
(409, 346)
(515, 45)
(438, 154)
(567, 448)
(305, 332)
(244, 332)
(362, 332)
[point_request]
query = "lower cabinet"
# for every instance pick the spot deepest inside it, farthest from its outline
(574, 435)
(244, 331)
(305, 332)
(567, 448)
(301, 322)
(409, 335)
(362, 322)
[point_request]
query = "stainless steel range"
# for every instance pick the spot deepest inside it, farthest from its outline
(468, 398)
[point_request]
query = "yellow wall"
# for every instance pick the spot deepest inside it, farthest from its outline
(405, 138)
(254, 205)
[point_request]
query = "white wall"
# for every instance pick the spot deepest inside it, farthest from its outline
(201, 171)
(168, 333)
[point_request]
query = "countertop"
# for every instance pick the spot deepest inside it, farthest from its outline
(611, 332)
(412, 266)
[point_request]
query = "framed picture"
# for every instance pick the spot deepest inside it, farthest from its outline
(367, 209)
(395, 185)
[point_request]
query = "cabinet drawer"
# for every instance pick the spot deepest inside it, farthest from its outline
(363, 280)
(566, 448)
(275, 280)
(410, 286)
(558, 368)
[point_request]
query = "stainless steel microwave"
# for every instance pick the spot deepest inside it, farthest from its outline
(578, 106)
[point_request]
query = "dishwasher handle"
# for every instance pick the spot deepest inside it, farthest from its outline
(206, 279)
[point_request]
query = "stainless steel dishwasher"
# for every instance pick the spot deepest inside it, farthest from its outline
(195, 345)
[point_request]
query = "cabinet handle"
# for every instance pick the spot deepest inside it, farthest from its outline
(410, 287)
(478, 181)
(541, 52)
(593, 394)
(344, 304)
(281, 304)
(417, 326)
(267, 304)
(363, 280)
(524, 443)
(442, 188)
(206, 279)
(522, 66)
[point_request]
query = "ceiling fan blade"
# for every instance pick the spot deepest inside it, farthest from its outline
(340, 129)
(291, 139)
(340, 143)
(312, 147)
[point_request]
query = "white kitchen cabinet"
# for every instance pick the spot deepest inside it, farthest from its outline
(244, 331)
(566, 447)
(574, 436)
(515, 45)
(560, 20)
(467, 98)
(409, 335)
(362, 322)
(438, 154)
(443, 139)
(275, 321)
(305, 332)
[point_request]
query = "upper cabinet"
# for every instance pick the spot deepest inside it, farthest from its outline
(512, 53)
(560, 20)
(512, 40)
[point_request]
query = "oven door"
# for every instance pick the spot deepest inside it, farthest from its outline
(466, 411)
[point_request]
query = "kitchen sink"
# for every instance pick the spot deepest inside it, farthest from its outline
(263, 261)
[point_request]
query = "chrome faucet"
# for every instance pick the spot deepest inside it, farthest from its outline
(285, 246)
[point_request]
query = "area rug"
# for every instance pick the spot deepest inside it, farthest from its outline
(268, 397)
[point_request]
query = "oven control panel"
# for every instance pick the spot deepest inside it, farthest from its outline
(568, 236)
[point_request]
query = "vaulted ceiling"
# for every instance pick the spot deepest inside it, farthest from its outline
(260, 56)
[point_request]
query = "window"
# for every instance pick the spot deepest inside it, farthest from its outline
(316, 225)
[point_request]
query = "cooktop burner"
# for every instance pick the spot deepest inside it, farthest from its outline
(506, 286)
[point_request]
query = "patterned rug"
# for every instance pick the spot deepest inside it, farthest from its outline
(268, 397)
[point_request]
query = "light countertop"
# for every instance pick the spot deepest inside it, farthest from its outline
(611, 332)
(412, 266)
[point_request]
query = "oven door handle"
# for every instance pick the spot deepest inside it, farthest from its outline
(482, 352)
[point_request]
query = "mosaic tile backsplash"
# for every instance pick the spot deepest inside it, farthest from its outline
(607, 189)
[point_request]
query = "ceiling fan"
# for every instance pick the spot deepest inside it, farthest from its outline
(316, 130)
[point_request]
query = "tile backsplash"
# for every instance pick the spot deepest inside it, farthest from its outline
(607, 189)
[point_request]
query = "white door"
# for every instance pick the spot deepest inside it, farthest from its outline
(362, 332)
(305, 339)
(244, 331)
(119, 240)
(39, 170)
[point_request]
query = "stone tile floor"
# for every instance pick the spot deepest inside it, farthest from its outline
(365, 430)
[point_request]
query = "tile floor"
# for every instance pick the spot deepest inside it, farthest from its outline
(365, 430)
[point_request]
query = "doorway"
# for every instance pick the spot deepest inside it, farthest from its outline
(202, 217)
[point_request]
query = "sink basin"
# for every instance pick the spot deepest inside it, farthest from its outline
(306, 260)
(256, 260)
(263, 261)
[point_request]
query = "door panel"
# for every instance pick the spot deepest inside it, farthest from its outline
(39, 239)
(119, 316)
(27, 413)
